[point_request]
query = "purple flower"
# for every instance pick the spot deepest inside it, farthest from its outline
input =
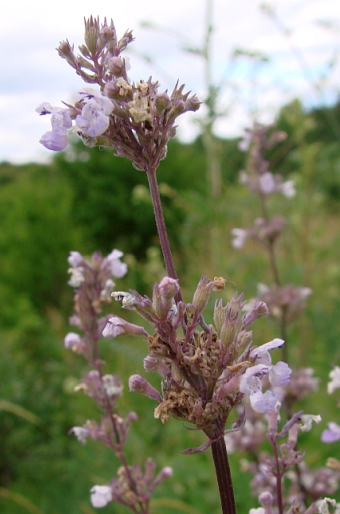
(263, 402)
(72, 341)
(81, 433)
(94, 118)
(118, 269)
(75, 259)
(331, 434)
(56, 139)
(117, 327)
(279, 374)
(101, 495)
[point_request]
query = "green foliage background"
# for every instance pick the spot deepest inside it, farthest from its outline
(88, 200)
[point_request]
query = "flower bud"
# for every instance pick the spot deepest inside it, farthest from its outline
(202, 293)
(259, 310)
(139, 384)
(165, 473)
(244, 338)
(117, 326)
(193, 104)
(163, 296)
(162, 101)
(228, 333)
(91, 36)
(266, 499)
(116, 66)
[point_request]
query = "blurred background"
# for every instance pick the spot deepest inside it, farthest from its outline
(274, 62)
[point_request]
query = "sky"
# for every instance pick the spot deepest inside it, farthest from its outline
(299, 44)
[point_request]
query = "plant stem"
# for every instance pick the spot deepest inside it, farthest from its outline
(161, 227)
(223, 475)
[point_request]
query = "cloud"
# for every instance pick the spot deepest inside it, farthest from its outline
(32, 72)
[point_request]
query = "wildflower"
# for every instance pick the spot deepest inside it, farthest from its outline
(322, 505)
(75, 259)
(81, 434)
(331, 434)
(135, 120)
(251, 383)
(240, 236)
(334, 382)
(112, 385)
(56, 139)
(101, 495)
(94, 118)
(117, 268)
(72, 341)
(307, 421)
(77, 277)
(117, 326)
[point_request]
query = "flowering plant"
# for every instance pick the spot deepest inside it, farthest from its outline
(207, 370)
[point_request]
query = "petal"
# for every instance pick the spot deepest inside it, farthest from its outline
(75, 259)
(331, 434)
(55, 140)
(279, 375)
(101, 495)
(263, 402)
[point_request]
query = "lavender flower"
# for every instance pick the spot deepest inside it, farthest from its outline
(334, 382)
(61, 121)
(204, 374)
(101, 495)
(331, 434)
(135, 120)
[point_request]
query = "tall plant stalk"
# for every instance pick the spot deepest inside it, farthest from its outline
(218, 447)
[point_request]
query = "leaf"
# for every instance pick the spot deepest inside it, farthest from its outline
(20, 500)
(20, 411)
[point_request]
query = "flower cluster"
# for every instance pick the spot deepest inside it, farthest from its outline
(206, 370)
(332, 433)
(93, 285)
(134, 119)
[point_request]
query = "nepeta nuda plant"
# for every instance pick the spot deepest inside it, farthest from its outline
(285, 301)
(93, 285)
(282, 481)
(206, 370)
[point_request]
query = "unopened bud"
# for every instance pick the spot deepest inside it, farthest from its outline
(228, 333)
(162, 101)
(117, 327)
(259, 310)
(244, 339)
(219, 315)
(116, 66)
(91, 36)
(202, 293)
(163, 296)
(266, 499)
(165, 473)
(193, 104)
(138, 384)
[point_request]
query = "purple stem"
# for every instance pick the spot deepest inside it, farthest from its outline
(223, 474)
(218, 447)
(161, 227)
